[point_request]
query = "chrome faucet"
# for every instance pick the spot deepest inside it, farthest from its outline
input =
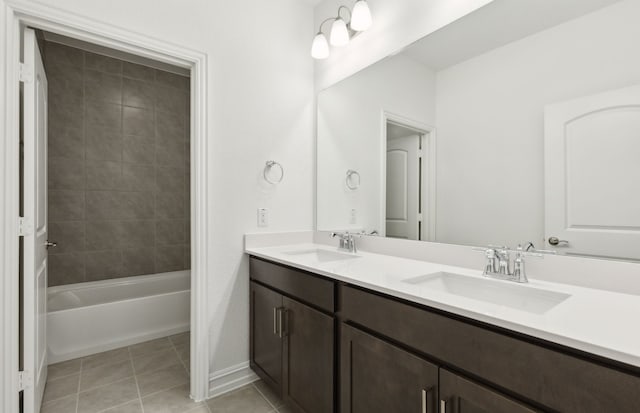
(498, 263)
(347, 241)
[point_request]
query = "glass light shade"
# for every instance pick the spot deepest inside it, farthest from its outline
(339, 33)
(361, 17)
(320, 47)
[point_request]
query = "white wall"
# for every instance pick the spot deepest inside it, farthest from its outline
(261, 107)
(351, 136)
(490, 121)
(396, 24)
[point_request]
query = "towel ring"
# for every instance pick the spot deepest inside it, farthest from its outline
(267, 169)
(348, 179)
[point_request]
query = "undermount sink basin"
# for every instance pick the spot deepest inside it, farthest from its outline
(319, 255)
(520, 297)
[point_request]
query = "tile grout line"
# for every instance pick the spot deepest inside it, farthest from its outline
(79, 384)
(135, 378)
(175, 349)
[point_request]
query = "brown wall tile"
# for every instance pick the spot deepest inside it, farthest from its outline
(69, 235)
(103, 87)
(138, 93)
(171, 79)
(103, 115)
(119, 179)
(137, 71)
(169, 258)
(66, 205)
(101, 265)
(66, 269)
(65, 142)
(170, 232)
(66, 173)
(138, 122)
(103, 63)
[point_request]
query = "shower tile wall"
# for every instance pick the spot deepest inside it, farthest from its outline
(118, 167)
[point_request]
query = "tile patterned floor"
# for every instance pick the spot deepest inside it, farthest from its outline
(150, 377)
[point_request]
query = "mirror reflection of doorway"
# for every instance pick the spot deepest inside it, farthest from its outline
(405, 183)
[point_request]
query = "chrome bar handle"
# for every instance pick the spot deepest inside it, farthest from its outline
(443, 406)
(281, 310)
(424, 401)
(275, 320)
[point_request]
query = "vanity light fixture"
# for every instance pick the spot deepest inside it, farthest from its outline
(359, 20)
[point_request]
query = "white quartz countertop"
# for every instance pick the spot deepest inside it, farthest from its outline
(599, 322)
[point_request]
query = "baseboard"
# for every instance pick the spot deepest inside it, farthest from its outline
(231, 378)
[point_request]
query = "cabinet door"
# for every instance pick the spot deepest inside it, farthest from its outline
(309, 358)
(377, 376)
(460, 395)
(265, 342)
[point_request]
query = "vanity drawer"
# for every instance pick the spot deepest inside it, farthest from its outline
(298, 284)
(549, 377)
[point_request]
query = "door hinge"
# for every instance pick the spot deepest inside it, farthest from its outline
(26, 73)
(419, 217)
(25, 380)
(24, 227)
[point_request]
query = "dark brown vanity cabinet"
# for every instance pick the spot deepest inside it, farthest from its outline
(378, 377)
(292, 342)
(531, 374)
(396, 356)
(461, 395)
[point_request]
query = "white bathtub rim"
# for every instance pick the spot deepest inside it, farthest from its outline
(118, 301)
(134, 279)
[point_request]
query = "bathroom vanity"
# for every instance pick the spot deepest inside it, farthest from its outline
(328, 338)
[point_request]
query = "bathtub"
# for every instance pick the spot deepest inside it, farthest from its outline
(88, 318)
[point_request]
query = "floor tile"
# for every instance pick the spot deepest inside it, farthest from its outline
(65, 368)
(108, 396)
(65, 405)
(155, 361)
(183, 351)
(99, 376)
(182, 338)
(162, 379)
(150, 347)
(244, 400)
(175, 400)
(58, 388)
(200, 409)
(268, 393)
(107, 357)
(131, 407)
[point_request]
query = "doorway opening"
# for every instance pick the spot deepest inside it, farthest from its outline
(107, 180)
(409, 179)
(25, 239)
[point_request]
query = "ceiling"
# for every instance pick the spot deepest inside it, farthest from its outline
(496, 24)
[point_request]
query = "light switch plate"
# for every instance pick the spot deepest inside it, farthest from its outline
(263, 217)
(354, 216)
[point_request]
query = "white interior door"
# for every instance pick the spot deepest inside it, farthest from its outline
(403, 188)
(35, 213)
(592, 174)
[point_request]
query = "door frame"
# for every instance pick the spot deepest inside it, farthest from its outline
(428, 174)
(16, 15)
